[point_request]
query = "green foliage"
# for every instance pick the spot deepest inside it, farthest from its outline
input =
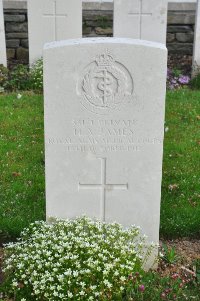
(176, 72)
(22, 189)
(20, 78)
(82, 260)
(170, 256)
(103, 22)
(152, 286)
(196, 265)
(36, 73)
(195, 82)
(3, 77)
(180, 207)
(77, 259)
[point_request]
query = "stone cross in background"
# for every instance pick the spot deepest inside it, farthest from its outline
(3, 56)
(55, 15)
(141, 19)
(51, 20)
(104, 127)
(140, 14)
(196, 52)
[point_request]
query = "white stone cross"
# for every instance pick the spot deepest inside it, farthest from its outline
(103, 187)
(140, 14)
(55, 15)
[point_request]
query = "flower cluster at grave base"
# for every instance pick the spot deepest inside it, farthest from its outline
(176, 80)
(22, 78)
(77, 259)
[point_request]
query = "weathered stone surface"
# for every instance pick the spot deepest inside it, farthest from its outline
(98, 15)
(104, 125)
(181, 18)
(170, 37)
(141, 19)
(3, 59)
(12, 43)
(15, 11)
(14, 18)
(22, 54)
(10, 53)
(16, 27)
(91, 35)
(179, 28)
(104, 31)
(87, 30)
(24, 43)
(52, 21)
(185, 37)
(180, 48)
(17, 35)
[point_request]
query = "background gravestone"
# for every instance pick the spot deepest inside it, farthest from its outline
(2, 37)
(141, 19)
(52, 20)
(104, 120)
(196, 53)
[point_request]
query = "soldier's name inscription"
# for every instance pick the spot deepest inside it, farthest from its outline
(103, 136)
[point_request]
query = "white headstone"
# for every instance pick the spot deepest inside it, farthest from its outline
(3, 59)
(196, 52)
(141, 19)
(104, 120)
(52, 20)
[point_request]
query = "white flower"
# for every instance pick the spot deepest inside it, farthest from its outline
(107, 283)
(122, 278)
(68, 252)
(19, 96)
(15, 283)
(70, 295)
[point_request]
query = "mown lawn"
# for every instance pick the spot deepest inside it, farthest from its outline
(22, 185)
(22, 188)
(180, 210)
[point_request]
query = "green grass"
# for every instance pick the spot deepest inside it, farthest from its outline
(180, 210)
(22, 188)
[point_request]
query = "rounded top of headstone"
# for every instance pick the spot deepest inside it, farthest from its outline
(84, 41)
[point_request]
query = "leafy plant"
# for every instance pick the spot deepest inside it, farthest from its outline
(36, 73)
(170, 256)
(75, 260)
(195, 82)
(155, 287)
(3, 77)
(175, 79)
(196, 265)
(102, 21)
(19, 79)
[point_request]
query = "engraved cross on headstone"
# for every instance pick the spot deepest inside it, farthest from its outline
(103, 187)
(140, 14)
(55, 15)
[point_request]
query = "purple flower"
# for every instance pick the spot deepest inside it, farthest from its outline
(169, 72)
(184, 79)
(141, 288)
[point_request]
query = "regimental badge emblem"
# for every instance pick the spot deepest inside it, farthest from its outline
(105, 85)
